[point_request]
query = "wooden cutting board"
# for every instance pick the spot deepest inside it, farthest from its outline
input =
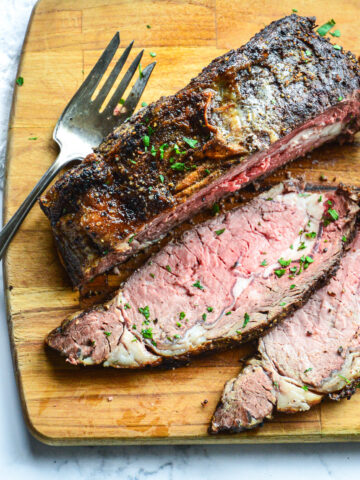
(67, 405)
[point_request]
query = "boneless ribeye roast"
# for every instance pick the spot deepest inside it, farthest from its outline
(250, 111)
(312, 354)
(222, 283)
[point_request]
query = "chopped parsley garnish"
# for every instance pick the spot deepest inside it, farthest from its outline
(152, 54)
(276, 385)
(340, 98)
(263, 263)
(153, 151)
(282, 304)
(178, 166)
(329, 202)
(140, 71)
(215, 208)
(20, 81)
(127, 306)
(204, 316)
(292, 286)
(320, 199)
(150, 130)
(177, 150)
(305, 387)
(33, 138)
(284, 263)
(324, 29)
(182, 315)
(131, 238)
(310, 235)
(152, 275)
(144, 104)
(309, 259)
(302, 246)
(308, 53)
(161, 177)
(308, 370)
(228, 313)
(145, 311)
(168, 268)
(107, 334)
(344, 378)
(147, 333)
(336, 33)
(293, 269)
(198, 285)
(178, 324)
(176, 336)
(292, 247)
(246, 320)
(121, 101)
(148, 26)
(161, 150)
(219, 232)
(333, 214)
(279, 273)
(343, 238)
(146, 140)
(210, 309)
(337, 47)
(207, 171)
(192, 143)
(134, 327)
(132, 161)
(294, 10)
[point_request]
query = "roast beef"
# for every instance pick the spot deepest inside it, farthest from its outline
(313, 354)
(222, 283)
(285, 92)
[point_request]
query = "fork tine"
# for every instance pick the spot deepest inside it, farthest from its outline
(113, 76)
(137, 90)
(123, 85)
(94, 77)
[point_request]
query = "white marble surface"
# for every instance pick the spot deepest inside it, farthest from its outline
(23, 457)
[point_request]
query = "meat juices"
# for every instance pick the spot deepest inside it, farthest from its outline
(249, 112)
(222, 283)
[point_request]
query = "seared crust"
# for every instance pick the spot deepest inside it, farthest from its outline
(130, 181)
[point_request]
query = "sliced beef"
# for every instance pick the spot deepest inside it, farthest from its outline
(250, 111)
(313, 354)
(222, 283)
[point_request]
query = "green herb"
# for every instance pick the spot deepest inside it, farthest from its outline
(293, 269)
(146, 140)
(263, 263)
(329, 202)
(207, 171)
(134, 327)
(150, 130)
(127, 306)
(320, 199)
(93, 343)
(228, 313)
(292, 247)
(344, 378)
(145, 311)
(176, 336)
(343, 238)
(294, 10)
(204, 316)
(198, 285)
(140, 71)
(335, 33)
(132, 161)
(284, 263)
(153, 151)
(168, 268)
(182, 315)
(152, 275)
(178, 166)
(305, 387)
(121, 101)
(152, 54)
(148, 26)
(144, 104)
(20, 81)
(308, 370)
(33, 138)
(282, 304)
(269, 199)
(210, 309)
(177, 150)
(276, 385)
(324, 29)
(107, 334)
(147, 333)
(131, 238)
(215, 208)
(292, 286)
(337, 47)
(302, 246)
(161, 150)
(192, 143)
(340, 98)
(134, 339)
(246, 320)
(219, 232)
(333, 214)
(161, 177)
(178, 324)
(308, 53)
(310, 235)
(279, 273)
(171, 160)
(309, 259)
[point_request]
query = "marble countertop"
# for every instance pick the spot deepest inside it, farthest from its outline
(23, 457)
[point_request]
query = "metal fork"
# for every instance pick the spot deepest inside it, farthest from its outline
(82, 126)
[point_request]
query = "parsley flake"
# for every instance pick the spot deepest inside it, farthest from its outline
(215, 208)
(131, 238)
(145, 311)
(284, 263)
(182, 315)
(178, 166)
(210, 309)
(152, 54)
(335, 33)
(168, 268)
(246, 320)
(337, 47)
(161, 177)
(204, 316)
(263, 263)
(198, 285)
(308, 370)
(192, 143)
(305, 387)
(146, 140)
(292, 286)
(279, 273)
(107, 334)
(219, 232)
(324, 29)
(20, 81)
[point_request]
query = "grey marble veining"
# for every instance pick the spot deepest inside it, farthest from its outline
(22, 457)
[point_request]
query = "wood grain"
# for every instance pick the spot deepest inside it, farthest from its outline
(67, 405)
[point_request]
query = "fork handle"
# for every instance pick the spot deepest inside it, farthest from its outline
(9, 230)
